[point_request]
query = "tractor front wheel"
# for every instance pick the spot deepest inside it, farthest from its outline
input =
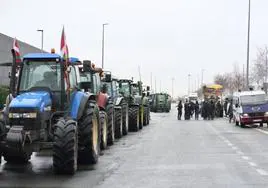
(65, 147)
(110, 114)
(104, 129)
(118, 123)
(134, 118)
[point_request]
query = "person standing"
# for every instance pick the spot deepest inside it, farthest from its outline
(196, 110)
(187, 110)
(179, 108)
(211, 110)
(230, 111)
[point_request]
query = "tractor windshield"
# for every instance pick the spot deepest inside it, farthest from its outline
(125, 88)
(40, 74)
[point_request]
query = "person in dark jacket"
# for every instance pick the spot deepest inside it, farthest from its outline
(211, 110)
(196, 110)
(205, 110)
(179, 108)
(225, 107)
(187, 110)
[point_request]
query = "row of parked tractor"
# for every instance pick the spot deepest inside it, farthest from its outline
(69, 107)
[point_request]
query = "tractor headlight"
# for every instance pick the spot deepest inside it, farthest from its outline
(29, 115)
(22, 115)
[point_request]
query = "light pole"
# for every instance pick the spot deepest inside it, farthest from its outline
(102, 54)
(202, 77)
(248, 44)
(42, 38)
(189, 77)
(172, 88)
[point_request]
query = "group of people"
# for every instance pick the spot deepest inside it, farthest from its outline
(208, 109)
(190, 109)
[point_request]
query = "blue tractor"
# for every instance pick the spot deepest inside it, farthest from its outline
(48, 110)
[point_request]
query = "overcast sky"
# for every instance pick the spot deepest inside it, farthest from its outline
(169, 38)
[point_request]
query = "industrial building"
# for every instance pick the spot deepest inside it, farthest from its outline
(6, 44)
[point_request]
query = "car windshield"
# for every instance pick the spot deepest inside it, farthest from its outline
(253, 99)
(40, 74)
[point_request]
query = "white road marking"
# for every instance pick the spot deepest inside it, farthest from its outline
(262, 131)
(262, 172)
(239, 152)
(234, 148)
(252, 164)
(245, 157)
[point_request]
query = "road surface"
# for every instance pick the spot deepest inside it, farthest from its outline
(167, 153)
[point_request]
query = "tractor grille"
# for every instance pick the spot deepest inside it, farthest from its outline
(256, 114)
(27, 123)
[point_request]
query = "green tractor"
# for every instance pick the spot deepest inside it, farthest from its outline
(141, 96)
(160, 102)
(119, 102)
(127, 91)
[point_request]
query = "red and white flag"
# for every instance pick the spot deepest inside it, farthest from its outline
(16, 50)
(63, 46)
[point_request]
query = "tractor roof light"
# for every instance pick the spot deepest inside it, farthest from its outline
(53, 50)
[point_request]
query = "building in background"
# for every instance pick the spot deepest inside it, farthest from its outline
(6, 44)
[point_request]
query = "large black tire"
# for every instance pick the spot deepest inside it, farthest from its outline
(134, 118)
(125, 118)
(65, 147)
(2, 134)
(110, 114)
(17, 157)
(104, 129)
(141, 117)
(118, 123)
(89, 135)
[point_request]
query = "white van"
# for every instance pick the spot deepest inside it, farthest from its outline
(250, 107)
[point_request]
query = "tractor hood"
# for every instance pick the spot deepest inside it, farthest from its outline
(36, 99)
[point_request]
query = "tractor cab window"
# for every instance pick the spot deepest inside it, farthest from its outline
(86, 81)
(125, 88)
(40, 74)
(72, 77)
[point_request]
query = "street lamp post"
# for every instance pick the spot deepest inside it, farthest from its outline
(248, 44)
(102, 54)
(202, 77)
(189, 77)
(172, 88)
(42, 38)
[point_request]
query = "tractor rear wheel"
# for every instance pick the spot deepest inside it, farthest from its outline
(110, 114)
(89, 135)
(134, 118)
(141, 117)
(125, 118)
(118, 123)
(104, 129)
(65, 147)
(2, 134)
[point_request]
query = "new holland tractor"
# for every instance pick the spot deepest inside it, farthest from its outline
(144, 106)
(48, 111)
(90, 82)
(120, 104)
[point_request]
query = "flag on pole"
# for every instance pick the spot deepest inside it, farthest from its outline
(16, 50)
(63, 46)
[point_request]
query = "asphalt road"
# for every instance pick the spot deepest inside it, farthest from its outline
(167, 153)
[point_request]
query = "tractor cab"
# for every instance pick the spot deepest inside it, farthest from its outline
(111, 83)
(90, 77)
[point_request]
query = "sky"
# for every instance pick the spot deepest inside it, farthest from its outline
(166, 39)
